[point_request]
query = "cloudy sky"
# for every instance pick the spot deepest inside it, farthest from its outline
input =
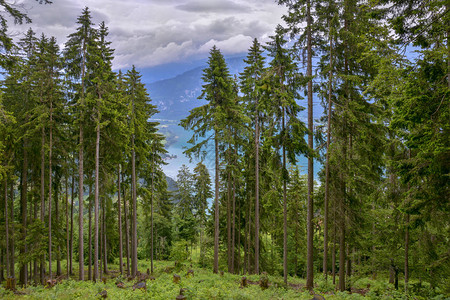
(148, 33)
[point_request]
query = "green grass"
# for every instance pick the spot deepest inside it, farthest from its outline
(204, 285)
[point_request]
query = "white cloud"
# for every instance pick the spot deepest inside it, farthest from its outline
(152, 32)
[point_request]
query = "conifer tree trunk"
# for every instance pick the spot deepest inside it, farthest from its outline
(7, 262)
(100, 275)
(239, 239)
(233, 237)
(285, 266)
(36, 265)
(2, 262)
(12, 258)
(246, 242)
(119, 217)
(42, 275)
(310, 211)
(23, 204)
(257, 188)
(127, 232)
(151, 239)
(327, 166)
(50, 194)
(407, 236)
(90, 230)
(72, 196)
(67, 225)
(249, 243)
(333, 254)
(105, 244)
(96, 194)
(58, 247)
(229, 215)
(134, 219)
(342, 237)
(216, 205)
(80, 209)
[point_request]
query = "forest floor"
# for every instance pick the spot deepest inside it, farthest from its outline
(206, 285)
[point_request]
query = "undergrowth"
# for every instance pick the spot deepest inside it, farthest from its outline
(206, 285)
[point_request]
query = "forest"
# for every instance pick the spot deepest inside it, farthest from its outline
(86, 210)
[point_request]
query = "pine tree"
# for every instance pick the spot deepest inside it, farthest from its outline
(202, 192)
(140, 111)
(282, 84)
(76, 57)
(250, 87)
(218, 91)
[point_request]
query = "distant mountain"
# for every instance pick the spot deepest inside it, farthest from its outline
(171, 184)
(176, 96)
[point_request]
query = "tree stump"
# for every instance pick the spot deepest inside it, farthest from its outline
(244, 282)
(264, 282)
(140, 285)
(11, 283)
(176, 278)
(190, 273)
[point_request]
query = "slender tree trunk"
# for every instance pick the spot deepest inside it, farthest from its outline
(407, 229)
(7, 262)
(349, 265)
(120, 222)
(239, 239)
(90, 229)
(151, 239)
(134, 221)
(67, 225)
(100, 275)
(229, 215)
(257, 188)
(72, 196)
(327, 167)
(233, 237)
(407, 254)
(36, 261)
(333, 254)
(42, 270)
(246, 242)
(285, 266)
(310, 211)
(249, 243)
(96, 194)
(13, 251)
(80, 207)
(105, 244)
(2, 262)
(216, 206)
(23, 203)
(342, 239)
(127, 232)
(50, 196)
(58, 248)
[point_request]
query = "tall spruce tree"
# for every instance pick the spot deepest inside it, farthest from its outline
(250, 87)
(283, 82)
(76, 56)
(206, 121)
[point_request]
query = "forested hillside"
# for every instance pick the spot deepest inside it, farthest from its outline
(86, 205)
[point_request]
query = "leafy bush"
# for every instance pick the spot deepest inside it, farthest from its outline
(179, 251)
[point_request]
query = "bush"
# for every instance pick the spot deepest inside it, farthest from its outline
(179, 251)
